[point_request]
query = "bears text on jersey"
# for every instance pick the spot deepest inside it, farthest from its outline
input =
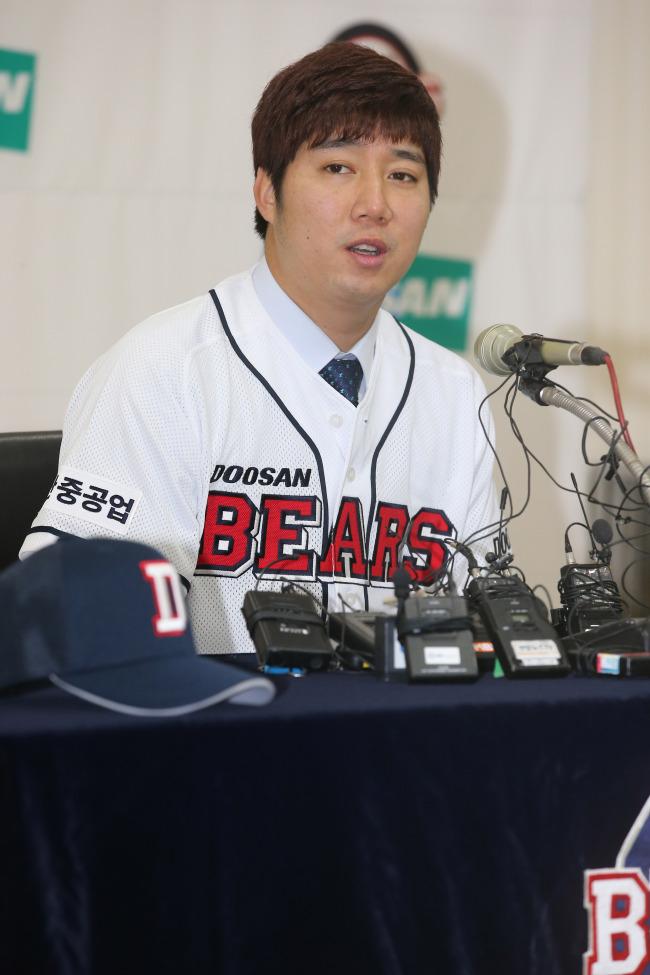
(274, 539)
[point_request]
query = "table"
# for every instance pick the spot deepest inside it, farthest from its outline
(351, 826)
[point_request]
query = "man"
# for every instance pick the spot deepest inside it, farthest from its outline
(216, 431)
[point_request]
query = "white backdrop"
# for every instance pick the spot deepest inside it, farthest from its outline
(136, 191)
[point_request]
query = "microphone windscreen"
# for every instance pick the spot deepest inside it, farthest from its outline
(492, 344)
(602, 531)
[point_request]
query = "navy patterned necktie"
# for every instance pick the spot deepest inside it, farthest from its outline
(345, 376)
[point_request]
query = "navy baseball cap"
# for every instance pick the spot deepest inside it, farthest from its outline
(106, 621)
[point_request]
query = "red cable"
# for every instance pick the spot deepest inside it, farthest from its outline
(617, 400)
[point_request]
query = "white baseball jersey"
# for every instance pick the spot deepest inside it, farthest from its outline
(204, 434)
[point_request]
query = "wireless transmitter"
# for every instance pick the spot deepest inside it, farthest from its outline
(287, 630)
(589, 595)
(526, 644)
(436, 634)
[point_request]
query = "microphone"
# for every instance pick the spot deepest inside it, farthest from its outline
(501, 349)
(602, 531)
(602, 535)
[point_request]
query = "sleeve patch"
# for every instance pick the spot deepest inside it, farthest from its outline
(106, 504)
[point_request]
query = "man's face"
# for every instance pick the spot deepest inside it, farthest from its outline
(348, 227)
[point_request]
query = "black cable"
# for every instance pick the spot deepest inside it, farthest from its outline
(642, 602)
(604, 462)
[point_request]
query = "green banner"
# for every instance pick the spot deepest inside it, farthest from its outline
(434, 299)
(17, 74)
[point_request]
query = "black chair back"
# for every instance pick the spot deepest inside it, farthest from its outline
(28, 466)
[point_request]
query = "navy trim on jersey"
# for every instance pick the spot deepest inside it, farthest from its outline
(382, 441)
(303, 433)
(52, 531)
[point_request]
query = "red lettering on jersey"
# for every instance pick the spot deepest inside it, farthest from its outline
(424, 541)
(345, 557)
(392, 522)
(284, 539)
(228, 542)
(234, 528)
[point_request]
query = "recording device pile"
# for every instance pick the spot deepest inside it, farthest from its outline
(590, 621)
(498, 622)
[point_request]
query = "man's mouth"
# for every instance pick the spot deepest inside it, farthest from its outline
(367, 250)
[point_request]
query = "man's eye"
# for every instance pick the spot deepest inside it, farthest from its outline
(336, 167)
(403, 177)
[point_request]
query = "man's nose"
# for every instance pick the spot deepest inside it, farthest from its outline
(371, 201)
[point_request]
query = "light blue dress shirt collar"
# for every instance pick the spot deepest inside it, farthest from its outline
(309, 341)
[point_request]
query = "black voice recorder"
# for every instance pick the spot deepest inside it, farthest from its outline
(525, 642)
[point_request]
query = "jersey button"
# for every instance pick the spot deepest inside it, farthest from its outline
(351, 474)
(336, 420)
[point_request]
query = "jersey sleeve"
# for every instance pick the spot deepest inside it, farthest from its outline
(132, 458)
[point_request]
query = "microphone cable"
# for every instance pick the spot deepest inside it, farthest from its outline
(622, 511)
(617, 401)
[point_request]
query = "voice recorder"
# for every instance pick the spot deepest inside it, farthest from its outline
(524, 640)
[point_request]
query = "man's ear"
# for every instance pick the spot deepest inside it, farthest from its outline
(265, 195)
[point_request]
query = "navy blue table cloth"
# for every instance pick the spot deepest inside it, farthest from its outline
(352, 826)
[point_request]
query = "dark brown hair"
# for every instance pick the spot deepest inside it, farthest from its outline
(344, 91)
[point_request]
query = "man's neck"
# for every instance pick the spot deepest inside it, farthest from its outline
(343, 322)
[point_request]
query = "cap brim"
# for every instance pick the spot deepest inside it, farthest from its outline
(166, 686)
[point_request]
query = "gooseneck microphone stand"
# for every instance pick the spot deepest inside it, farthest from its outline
(549, 395)
(534, 384)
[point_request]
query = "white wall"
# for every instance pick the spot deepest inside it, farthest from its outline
(136, 192)
(618, 224)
